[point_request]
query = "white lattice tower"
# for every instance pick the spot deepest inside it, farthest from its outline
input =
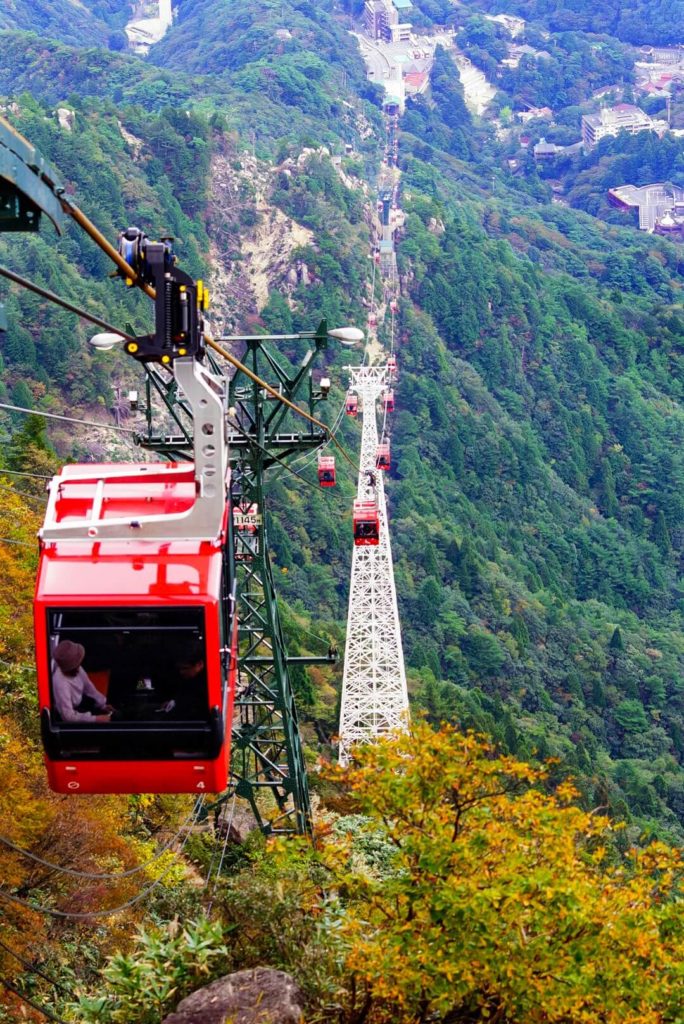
(374, 694)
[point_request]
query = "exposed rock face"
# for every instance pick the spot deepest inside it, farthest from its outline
(260, 996)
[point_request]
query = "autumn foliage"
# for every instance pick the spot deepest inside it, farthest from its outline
(501, 902)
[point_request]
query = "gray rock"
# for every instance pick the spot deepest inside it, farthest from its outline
(259, 996)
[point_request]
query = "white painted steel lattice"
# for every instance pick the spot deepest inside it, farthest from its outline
(374, 695)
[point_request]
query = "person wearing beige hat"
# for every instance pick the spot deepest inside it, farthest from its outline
(72, 689)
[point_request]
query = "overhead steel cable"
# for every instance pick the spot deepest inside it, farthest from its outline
(94, 915)
(275, 458)
(112, 875)
(29, 1002)
(22, 494)
(34, 476)
(65, 419)
(134, 278)
(87, 225)
(51, 297)
(281, 398)
(31, 966)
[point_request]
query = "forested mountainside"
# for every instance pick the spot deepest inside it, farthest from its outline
(642, 22)
(536, 491)
(84, 24)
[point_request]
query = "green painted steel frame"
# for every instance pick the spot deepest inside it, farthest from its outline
(28, 184)
(267, 749)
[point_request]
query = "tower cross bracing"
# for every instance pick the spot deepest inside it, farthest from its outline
(374, 694)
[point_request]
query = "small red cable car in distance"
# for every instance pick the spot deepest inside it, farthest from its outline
(382, 457)
(366, 523)
(372, 320)
(352, 405)
(392, 367)
(388, 401)
(326, 470)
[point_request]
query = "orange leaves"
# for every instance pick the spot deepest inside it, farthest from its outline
(499, 900)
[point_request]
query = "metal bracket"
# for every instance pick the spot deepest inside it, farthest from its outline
(28, 185)
(204, 520)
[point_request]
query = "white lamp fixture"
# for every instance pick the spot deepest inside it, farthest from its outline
(107, 341)
(346, 335)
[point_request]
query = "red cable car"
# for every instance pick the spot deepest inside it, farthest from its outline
(372, 320)
(392, 366)
(352, 405)
(135, 612)
(382, 456)
(388, 401)
(366, 523)
(326, 470)
(393, 306)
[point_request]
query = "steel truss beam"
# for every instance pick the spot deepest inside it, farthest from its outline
(268, 761)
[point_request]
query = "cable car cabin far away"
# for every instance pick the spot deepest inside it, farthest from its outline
(352, 405)
(388, 401)
(392, 366)
(382, 457)
(366, 522)
(136, 638)
(372, 320)
(326, 470)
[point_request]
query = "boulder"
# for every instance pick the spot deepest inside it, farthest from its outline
(259, 996)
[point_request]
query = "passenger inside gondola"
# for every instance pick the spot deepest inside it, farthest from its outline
(76, 699)
(130, 665)
(184, 687)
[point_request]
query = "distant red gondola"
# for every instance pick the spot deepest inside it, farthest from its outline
(372, 320)
(382, 457)
(388, 401)
(366, 522)
(352, 405)
(326, 470)
(392, 366)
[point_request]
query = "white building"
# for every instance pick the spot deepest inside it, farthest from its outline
(612, 120)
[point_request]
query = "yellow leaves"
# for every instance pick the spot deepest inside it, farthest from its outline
(502, 896)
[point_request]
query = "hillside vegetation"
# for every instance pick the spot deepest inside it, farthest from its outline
(536, 517)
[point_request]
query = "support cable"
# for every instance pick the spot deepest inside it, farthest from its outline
(281, 398)
(31, 966)
(106, 874)
(228, 827)
(23, 494)
(93, 915)
(87, 225)
(65, 419)
(252, 440)
(29, 1002)
(45, 294)
(34, 476)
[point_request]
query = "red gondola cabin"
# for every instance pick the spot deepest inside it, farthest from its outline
(392, 366)
(382, 457)
(388, 401)
(366, 523)
(144, 626)
(352, 405)
(372, 320)
(326, 470)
